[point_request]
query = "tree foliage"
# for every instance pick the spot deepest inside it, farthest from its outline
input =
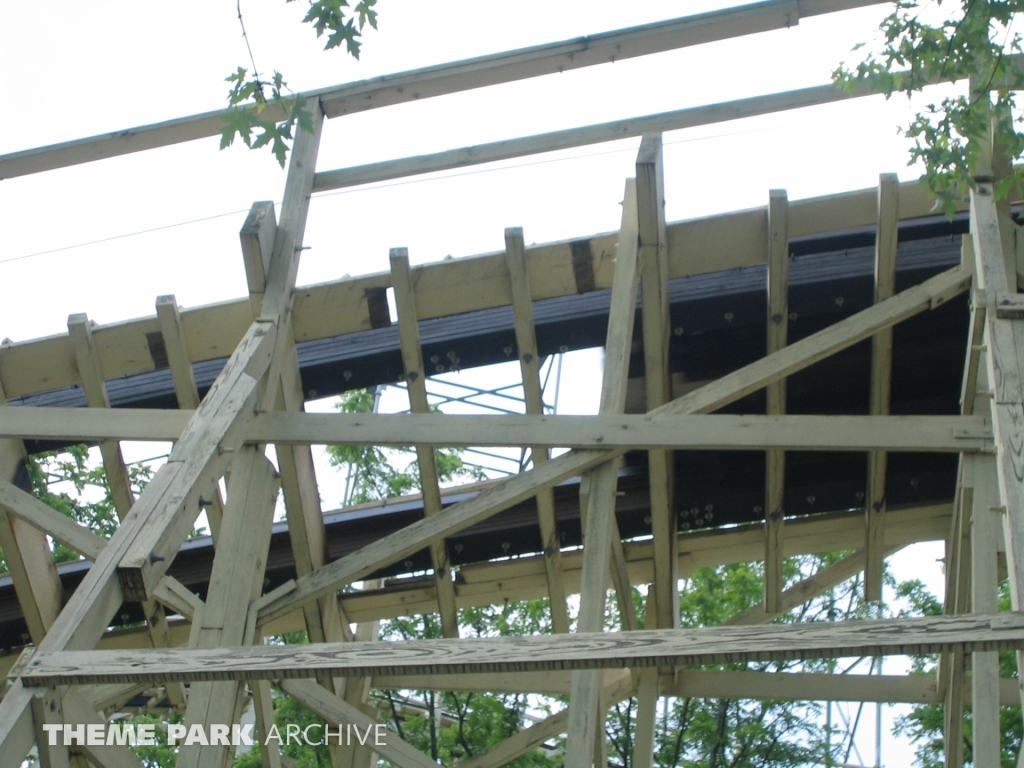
(374, 473)
(957, 40)
(263, 111)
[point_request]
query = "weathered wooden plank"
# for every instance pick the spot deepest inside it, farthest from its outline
(919, 434)
(777, 323)
(335, 711)
(94, 386)
(533, 398)
(416, 386)
(600, 650)
(881, 377)
(520, 487)
(237, 577)
(722, 241)
(185, 389)
(600, 528)
(653, 258)
(809, 686)
(442, 79)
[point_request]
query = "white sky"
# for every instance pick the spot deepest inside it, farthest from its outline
(77, 69)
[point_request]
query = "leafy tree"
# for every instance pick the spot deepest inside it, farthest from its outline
(263, 111)
(925, 723)
(924, 43)
(375, 473)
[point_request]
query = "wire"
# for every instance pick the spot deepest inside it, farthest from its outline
(121, 237)
(402, 183)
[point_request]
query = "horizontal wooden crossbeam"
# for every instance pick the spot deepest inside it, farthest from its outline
(950, 434)
(454, 77)
(662, 648)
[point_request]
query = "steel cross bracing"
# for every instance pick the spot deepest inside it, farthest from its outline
(257, 399)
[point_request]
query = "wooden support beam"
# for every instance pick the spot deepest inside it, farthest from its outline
(653, 261)
(295, 462)
(138, 554)
(533, 397)
(663, 594)
(733, 386)
(185, 389)
(48, 709)
(337, 712)
(116, 472)
(982, 473)
(809, 686)
(1004, 360)
(881, 378)
(778, 332)
(594, 650)
(807, 589)
(454, 77)
(721, 242)
(89, 545)
(95, 389)
(680, 119)
(416, 386)
(236, 579)
(616, 689)
(26, 550)
(601, 531)
(705, 432)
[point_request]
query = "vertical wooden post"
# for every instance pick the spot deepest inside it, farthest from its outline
(416, 384)
(984, 666)
(653, 259)
(185, 390)
(118, 480)
(236, 580)
(584, 698)
(778, 331)
(529, 366)
(881, 380)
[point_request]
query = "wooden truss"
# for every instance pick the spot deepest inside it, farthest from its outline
(77, 666)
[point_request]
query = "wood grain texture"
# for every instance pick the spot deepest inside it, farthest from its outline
(708, 244)
(448, 78)
(644, 648)
(919, 434)
(777, 323)
(426, 459)
(729, 388)
(533, 397)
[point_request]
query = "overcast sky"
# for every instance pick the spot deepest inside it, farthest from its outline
(77, 69)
